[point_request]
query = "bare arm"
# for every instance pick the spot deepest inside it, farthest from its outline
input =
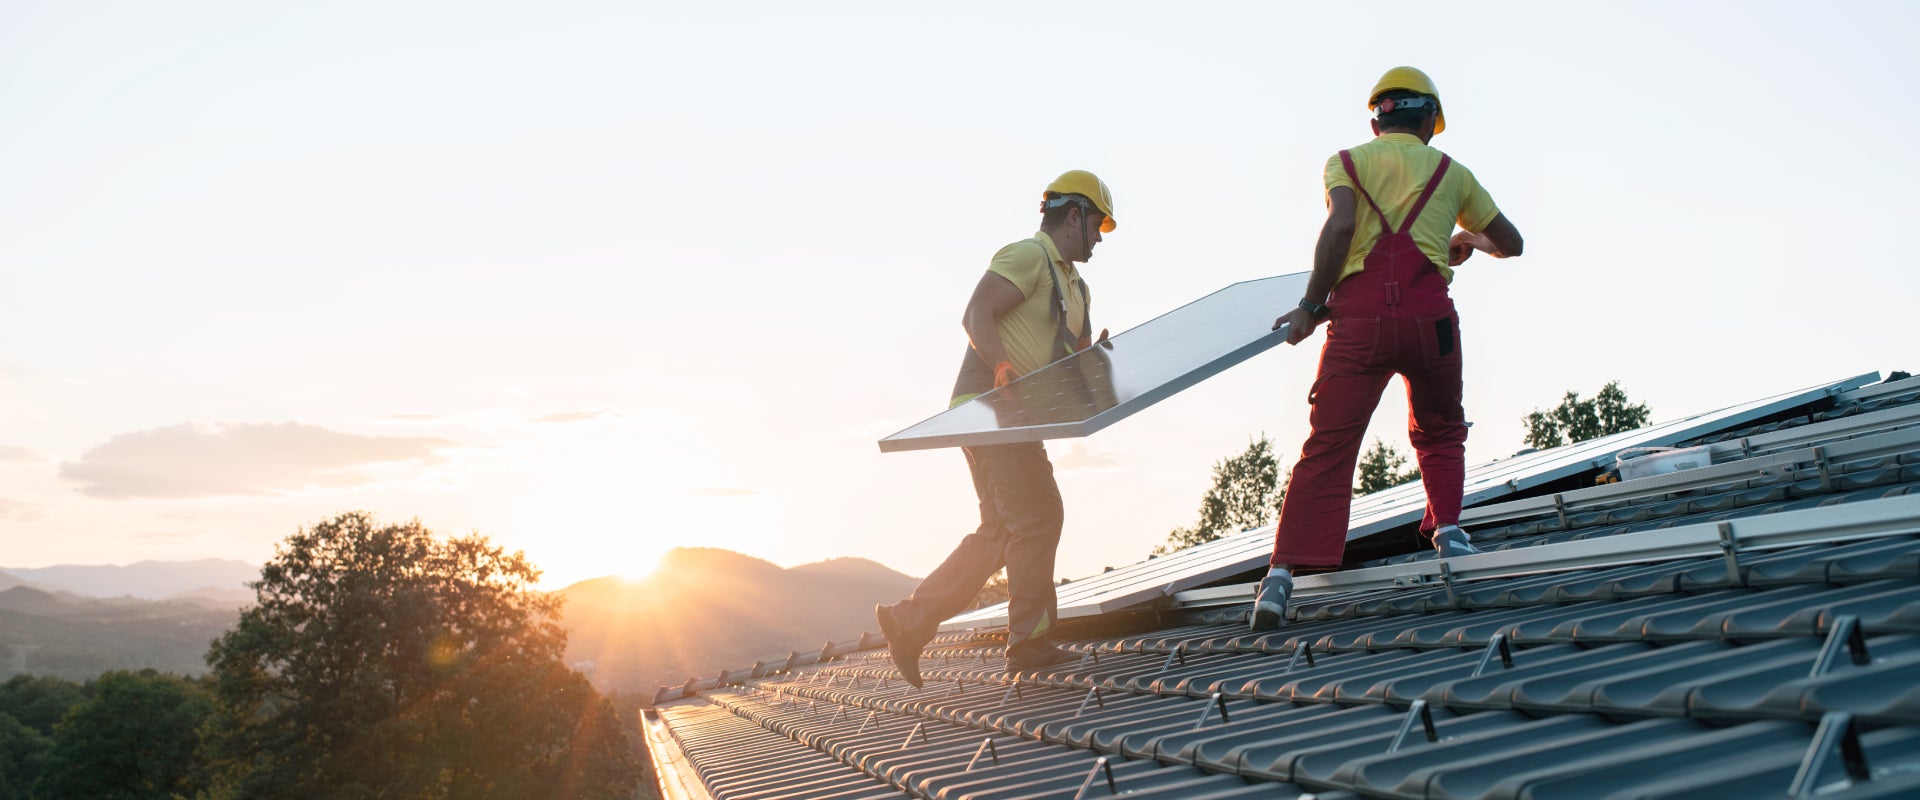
(1500, 240)
(993, 297)
(1329, 259)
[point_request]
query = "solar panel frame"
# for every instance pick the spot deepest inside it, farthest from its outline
(1240, 339)
(1143, 582)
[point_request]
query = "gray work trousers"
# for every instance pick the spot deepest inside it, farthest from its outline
(1020, 519)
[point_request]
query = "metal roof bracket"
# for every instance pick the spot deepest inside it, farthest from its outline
(863, 725)
(1303, 650)
(1560, 507)
(1730, 550)
(1179, 654)
(986, 746)
(1826, 471)
(1013, 693)
(1845, 632)
(1093, 696)
(1216, 701)
(1418, 711)
(1090, 654)
(839, 714)
(1837, 729)
(1446, 580)
(958, 687)
(919, 728)
(1498, 644)
(1099, 764)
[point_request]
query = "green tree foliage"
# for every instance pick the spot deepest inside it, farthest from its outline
(1577, 420)
(31, 707)
(137, 738)
(1246, 493)
(39, 702)
(380, 661)
(1381, 468)
(23, 756)
(994, 591)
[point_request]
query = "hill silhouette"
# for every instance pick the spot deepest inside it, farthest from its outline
(706, 609)
(151, 580)
(77, 638)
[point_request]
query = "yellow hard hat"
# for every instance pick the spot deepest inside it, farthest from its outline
(1412, 80)
(1088, 185)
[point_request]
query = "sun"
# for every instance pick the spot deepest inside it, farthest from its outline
(639, 567)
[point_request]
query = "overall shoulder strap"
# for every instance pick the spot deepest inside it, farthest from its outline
(1427, 194)
(1063, 335)
(1346, 160)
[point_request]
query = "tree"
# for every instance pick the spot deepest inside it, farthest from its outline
(1577, 420)
(138, 737)
(39, 702)
(1379, 468)
(1246, 493)
(379, 661)
(23, 756)
(30, 707)
(993, 591)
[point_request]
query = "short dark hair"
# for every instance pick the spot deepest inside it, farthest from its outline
(1052, 215)
(1405, 117)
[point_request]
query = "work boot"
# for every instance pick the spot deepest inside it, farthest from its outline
(1270, 602)
(901, 644)
(1035, 655)
(1451, 542)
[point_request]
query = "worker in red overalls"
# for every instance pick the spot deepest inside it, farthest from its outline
(1380, 275)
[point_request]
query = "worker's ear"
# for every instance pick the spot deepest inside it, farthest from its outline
(1376, 126)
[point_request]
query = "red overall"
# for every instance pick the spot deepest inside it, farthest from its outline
(1393, 317)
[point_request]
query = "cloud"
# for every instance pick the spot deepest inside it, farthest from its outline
(20, 511)
(17, 455)
(722, 491)
(1081, 457)
(412, 417)
(204, 460)
(163, 536)
(578, 416)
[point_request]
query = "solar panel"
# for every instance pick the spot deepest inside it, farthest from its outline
(1096, 387)
(1132, 585)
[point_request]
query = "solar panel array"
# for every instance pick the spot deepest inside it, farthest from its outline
(1096, 387)
(1149, 580)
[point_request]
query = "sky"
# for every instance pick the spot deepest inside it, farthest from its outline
(600, 279)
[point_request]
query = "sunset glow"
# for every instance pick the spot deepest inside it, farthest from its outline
(571, 281)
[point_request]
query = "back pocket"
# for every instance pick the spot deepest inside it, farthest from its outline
(1440, 338)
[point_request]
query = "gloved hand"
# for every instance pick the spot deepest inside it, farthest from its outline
(1086, 342)
(1003, 374)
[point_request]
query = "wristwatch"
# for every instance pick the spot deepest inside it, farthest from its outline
(1318, 310)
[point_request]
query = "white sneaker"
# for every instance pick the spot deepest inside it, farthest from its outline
(1451, 542)
(1270, 602)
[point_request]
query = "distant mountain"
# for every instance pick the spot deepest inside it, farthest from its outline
(857, 569)
(68, 636)
(210, 597)
(9, 581)
(702, 611)
(706, 609)
(152, 580)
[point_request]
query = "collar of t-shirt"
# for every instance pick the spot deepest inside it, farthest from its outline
(1065, 266)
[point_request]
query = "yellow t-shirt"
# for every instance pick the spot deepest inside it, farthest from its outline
(1395, 168)
(1028, 330)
